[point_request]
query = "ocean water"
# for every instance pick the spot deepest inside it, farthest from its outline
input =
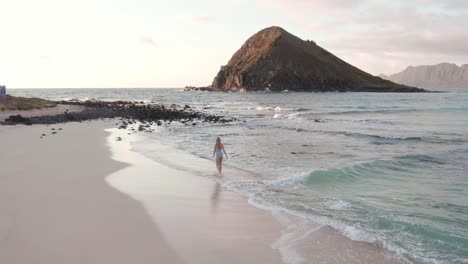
(390, 169)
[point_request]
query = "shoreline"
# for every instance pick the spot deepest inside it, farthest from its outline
(300, 240)
(61, 208)
(201, 220)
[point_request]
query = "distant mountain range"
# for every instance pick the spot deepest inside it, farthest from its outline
(275, 60)
(443, 75)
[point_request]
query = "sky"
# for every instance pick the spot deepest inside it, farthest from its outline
(151, 43)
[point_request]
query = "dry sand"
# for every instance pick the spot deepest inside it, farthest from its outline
(57, 208)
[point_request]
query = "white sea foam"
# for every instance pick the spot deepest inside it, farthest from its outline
(294, 115)
(291, 235)
(261, 108)
(337, 204)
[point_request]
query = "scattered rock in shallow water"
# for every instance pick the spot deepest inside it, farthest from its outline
(53, 133)
(44, 135)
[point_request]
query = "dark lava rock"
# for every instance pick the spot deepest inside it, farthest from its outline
(18, 119)
(127, 111)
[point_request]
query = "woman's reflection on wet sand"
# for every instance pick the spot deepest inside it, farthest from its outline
(215, 196)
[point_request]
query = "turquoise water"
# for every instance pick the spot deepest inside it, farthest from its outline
(390, 169)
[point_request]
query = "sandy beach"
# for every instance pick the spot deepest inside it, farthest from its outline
(80, 196)
(58, 207)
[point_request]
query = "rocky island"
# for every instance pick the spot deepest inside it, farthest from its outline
(275, 60)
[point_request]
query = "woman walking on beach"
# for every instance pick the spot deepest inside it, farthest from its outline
(218, 151)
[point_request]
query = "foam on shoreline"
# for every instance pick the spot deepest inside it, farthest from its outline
(296, 231)
(199, 219)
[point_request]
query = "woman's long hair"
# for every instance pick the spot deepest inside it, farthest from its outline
(218, 143)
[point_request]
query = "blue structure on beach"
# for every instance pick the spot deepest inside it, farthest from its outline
(2, 92)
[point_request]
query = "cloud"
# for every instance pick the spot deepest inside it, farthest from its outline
(382, 36)
(316, 6)
(148, 42)
(409, 29)
(454, 5)
(196, 19)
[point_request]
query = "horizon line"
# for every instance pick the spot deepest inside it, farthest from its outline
(13, 88)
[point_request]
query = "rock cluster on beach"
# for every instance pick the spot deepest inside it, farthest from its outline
(128, 112)
(275, 60)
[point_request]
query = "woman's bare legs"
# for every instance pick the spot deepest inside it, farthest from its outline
(219, 164)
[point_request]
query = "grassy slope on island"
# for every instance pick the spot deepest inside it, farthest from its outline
(24, 103)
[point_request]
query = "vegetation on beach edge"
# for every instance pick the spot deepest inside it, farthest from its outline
(24, 103)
